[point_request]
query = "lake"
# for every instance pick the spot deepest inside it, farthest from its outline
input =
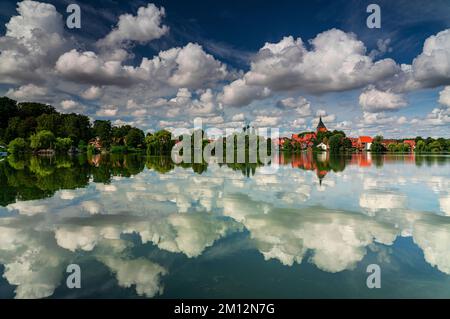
(143, 227)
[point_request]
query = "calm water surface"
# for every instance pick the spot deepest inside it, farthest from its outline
(146, 228)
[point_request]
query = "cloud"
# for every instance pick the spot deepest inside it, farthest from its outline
(438, 116)
(141, 273)
(432, 67)
(402, 120)
(374, 201)
(33, 264)
(34, 16)
(72, 106)
(238, 93)
(200, 103)
(300, 105)
(202, 106)
(144, 27)
(444, 202)
(337, 240)
(327, 118)
(29, 208)
(108, 110)
(373, 119)
(266, 121)
(434, 240)
(139, 112)
(73, 238)
(382, 48)
(300, 122)
(344, 125)
(195, 68)
(238, 117)
(92, 93)
(88, 67)
(27, 92)
(188, 67)
(444, 96)
(213, 120)
(32, 43)
(373, 100)
(336, 62)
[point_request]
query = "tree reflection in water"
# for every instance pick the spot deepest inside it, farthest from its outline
(35, 177)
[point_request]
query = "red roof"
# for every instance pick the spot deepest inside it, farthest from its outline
(411, 143)
(307, 137)
(365, 139)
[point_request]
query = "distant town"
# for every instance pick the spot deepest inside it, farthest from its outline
(337, 141)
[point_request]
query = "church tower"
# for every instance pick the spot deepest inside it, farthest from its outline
(321, 127)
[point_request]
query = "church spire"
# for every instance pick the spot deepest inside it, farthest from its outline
(321, 127)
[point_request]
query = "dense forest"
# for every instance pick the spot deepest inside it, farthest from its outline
(39, 128)
(36, 127)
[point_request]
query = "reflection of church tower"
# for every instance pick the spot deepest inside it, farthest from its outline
(321, 127)
(321, 174)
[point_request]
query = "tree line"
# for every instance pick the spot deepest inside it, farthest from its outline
(427, 145)
(36, 127)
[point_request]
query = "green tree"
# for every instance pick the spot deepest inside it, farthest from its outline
(17, 146)
(421, 146)
(347, 144)
(406, 148)
(50, 122)
(63, 144)
(392, 147)
(119, 133)
(29, 109)
(77, 127)
(103, 130)
(12, 129)
(8, 109)
(160, 143)
(435, 147)
(18, 127)
(82, 146)
(42, 140)
(377, 146)
(335, 143)
(135, 138)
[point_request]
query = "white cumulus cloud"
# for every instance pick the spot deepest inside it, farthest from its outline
(143, 27)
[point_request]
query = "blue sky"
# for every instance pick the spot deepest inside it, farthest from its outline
(174, 61)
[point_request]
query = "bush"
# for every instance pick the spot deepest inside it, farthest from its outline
(82, 146)
(18, 145)
(435, 147)
(91, 149)
(119, 149)
(42, 140)
(377, 146)
(63, 144)
(135, 138)
(421, 146)
(336, 143)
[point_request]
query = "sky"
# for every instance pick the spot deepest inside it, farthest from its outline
(279, 64)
